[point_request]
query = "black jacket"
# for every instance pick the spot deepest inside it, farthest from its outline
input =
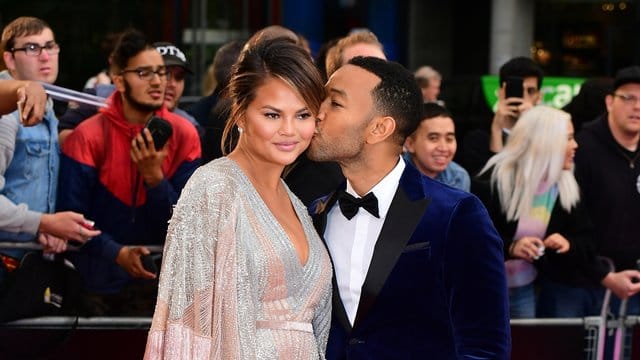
(610, 181)
(579, 267)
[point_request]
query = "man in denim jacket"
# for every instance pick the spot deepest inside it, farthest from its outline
(30, 156)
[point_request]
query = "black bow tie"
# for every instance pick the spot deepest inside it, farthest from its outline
(349, 205)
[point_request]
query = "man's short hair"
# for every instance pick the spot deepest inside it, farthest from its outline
(521, 67)
(333, 60)
(22, 26)
(131, 43)
(223, 61)
(432, 110)
(397, 95)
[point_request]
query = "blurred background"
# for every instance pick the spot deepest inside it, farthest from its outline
(463, 40)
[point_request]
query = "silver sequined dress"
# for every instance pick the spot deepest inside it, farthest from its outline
(232, 285)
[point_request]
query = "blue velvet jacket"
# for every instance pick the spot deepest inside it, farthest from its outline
(436, 285)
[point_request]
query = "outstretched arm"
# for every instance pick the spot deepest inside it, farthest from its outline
(28, 95)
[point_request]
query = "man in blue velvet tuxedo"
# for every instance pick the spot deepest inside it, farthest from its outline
(418, 266)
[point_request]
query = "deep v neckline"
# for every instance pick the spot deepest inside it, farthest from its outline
(289, 243)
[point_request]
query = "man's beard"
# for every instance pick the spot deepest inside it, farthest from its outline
(142, 107)
(339, 149)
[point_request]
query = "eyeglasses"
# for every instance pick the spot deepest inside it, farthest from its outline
(31, 49)
(175, 73)
(146, 73)
(627, 99)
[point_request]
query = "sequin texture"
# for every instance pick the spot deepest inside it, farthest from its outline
(231, 284)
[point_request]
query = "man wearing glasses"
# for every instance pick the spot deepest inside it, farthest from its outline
(112, 170)
(607, 167)
(177, 68)
(29, 156)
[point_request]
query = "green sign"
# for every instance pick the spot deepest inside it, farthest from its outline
(556, 91)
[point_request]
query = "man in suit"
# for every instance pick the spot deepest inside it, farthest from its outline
(420, 274)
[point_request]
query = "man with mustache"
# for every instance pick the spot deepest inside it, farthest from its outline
(418, 265)
(112, 170)
(177, 68)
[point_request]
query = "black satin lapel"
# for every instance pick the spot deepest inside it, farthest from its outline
(402, 219)
(338, 307)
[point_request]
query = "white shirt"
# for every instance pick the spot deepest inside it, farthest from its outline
(351, 242)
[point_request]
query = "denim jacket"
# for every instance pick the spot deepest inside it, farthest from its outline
(29, 165)
(453, 175)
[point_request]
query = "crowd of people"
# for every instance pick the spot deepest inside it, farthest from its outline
(311, 208)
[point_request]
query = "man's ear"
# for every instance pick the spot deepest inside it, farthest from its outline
(380, 129)
(409, 143)
(9, 61)
(608, 101)
(118, 81)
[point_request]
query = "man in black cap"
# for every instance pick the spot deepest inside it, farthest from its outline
(608, 172)
(177, 68)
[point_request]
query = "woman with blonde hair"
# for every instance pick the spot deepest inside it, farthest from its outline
(534, 200)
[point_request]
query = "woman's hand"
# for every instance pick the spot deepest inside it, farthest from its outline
(557, 242)
(528, 248)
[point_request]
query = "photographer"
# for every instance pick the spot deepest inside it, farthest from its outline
(479, 145)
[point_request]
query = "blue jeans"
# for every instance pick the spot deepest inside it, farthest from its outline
(522, 302)
(557, 300)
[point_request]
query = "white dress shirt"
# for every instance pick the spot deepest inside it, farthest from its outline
(351, 242)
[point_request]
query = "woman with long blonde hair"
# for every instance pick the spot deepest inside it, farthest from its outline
(534, 200)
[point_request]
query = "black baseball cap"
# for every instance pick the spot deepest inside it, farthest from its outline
(627, 75)
(172, 55)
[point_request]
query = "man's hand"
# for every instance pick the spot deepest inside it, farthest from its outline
(623, 284)
(67, 225)
(52, 244)
(148, 160)
(129, 258)
(32, 100)
(507, 113)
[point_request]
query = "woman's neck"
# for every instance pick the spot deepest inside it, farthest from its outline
(264, 176)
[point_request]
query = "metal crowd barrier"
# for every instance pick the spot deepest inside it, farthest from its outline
(35, 246)
(537, 338)
(81, 323)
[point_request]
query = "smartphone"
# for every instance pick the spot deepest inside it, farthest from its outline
(513, 88)
(20, 106)
(88, 224)
(150, 262)
(160, 130)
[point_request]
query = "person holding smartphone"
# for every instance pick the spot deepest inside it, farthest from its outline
(479, 145)
(125, 167)
(535, 203)
(29, 155)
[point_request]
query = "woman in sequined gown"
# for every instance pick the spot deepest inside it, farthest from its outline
(244, 274)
